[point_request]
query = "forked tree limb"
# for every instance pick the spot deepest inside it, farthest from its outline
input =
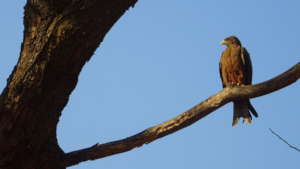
(185, 119)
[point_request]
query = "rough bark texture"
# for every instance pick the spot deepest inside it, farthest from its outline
(185, 119)
(59, 38)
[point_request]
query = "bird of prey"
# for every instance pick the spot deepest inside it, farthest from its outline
(236, 70)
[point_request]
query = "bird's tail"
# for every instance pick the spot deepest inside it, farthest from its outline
(243, 109)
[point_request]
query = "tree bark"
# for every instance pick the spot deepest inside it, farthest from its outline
(59, 38)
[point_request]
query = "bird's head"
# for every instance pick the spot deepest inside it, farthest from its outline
(231, 40)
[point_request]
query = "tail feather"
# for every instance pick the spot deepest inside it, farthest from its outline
(243, 109)
(251, 108)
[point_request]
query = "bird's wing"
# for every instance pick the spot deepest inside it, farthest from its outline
(220, 71)
(247, 65)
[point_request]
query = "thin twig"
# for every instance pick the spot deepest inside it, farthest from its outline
(282, 139)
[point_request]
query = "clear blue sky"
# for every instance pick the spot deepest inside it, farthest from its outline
(160, 59)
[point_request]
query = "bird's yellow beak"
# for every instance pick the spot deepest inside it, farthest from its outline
(223, 42)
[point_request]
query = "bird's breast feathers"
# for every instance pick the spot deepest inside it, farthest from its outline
(232, 67)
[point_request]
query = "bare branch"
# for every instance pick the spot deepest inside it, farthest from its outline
(282, 139)
(185, 119)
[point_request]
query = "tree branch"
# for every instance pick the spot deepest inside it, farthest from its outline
(282, 139)
(185, 119)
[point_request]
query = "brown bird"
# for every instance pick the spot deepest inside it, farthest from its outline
(236, 70)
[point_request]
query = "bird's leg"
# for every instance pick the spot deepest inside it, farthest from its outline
(231, 84)
(240, 84)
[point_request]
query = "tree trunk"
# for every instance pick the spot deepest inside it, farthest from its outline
(59, 38)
